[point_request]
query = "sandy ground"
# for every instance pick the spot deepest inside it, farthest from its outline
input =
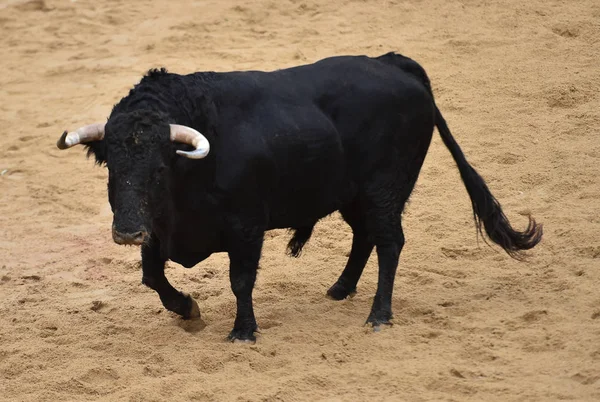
(518, 83)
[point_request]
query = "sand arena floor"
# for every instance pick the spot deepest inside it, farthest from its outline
(518, 83)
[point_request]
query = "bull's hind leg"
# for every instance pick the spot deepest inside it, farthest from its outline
(359, 255)
(153, 268)
(386, 197)
(389, 241)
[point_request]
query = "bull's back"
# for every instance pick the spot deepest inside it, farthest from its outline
(325, 127)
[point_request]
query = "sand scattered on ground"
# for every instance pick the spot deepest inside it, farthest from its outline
(518, 83)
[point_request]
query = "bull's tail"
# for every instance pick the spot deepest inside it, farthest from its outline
(487, 212)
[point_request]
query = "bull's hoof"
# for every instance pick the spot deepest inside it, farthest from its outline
(242, 335)
(193, 311)
(379, 320)
(340, 292)
(246, 341)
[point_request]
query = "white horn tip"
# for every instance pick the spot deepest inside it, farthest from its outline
(72, 139)
(197, 154)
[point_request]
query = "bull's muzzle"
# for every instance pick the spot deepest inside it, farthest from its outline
(133, 238)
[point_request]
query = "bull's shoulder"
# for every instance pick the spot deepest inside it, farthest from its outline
(242, 158)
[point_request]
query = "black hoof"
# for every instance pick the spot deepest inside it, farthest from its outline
(192, 310)
(340, 292)
(379, 319)
(242, 335)
(183, 305)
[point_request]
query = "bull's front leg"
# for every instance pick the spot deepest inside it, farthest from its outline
(244, 255)
(153, 268)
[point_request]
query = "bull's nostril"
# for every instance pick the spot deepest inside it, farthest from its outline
(139, 236)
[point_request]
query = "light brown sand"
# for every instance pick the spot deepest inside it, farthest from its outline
(518, 83)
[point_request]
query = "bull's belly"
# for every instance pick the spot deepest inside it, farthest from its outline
(305, 207)
(188, 259)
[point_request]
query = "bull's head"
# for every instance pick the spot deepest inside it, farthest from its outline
(138, 151)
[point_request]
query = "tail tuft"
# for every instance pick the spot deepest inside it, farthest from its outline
(491, 219)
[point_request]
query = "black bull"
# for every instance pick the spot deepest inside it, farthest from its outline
(287, 148)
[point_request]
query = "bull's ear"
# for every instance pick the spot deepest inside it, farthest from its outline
(98, 149)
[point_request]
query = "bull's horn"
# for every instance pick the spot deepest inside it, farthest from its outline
(187, 135)
(91, 132)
